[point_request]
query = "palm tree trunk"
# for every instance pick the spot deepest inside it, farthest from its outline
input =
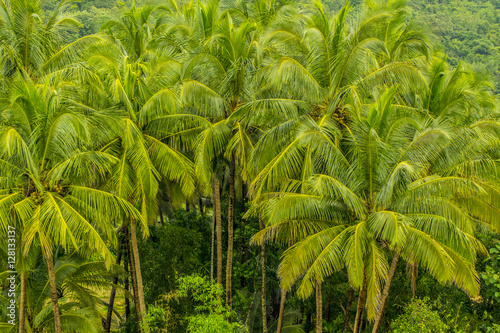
(213, 247)
(282, 311)
(134, 280)
(361, 306)
(200, 203)
(126, 283)
(328, 310)
(319, 308)
(230, 221)
(251, 307)
(264, 278)
(53, 291)
(218, 226)
(138, 276)
(243, 240)
(162, 221)
(109, 315)
(385, 293)
(22, 303)
(347, 317)
(414, 275)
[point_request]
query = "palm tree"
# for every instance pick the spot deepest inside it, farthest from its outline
(319, 308)
(171, 100)
(36, 48)
(49, 172)
(109, 314)
(143, 86)
(78, 280)
(457, 97)
(327, 72)
(369, 191)
(218, 82)
(219, 85)
(35, 44)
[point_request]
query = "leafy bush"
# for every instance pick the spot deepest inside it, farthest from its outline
(156, 319)
(491, 276)
(211, 313)
(419, 318)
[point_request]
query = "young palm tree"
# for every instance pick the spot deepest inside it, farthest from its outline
(78, 280)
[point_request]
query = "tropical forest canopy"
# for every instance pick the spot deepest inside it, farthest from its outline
(249, 166)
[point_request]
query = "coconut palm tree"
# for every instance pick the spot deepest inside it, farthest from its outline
(49, 173)
(34, 42)
(219, 84)
(78, 282)
(369, 192)
(216, 83)
(462, 100)
(329, 69)
(142, 85)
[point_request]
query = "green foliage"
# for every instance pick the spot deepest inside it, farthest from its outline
(157, 318)
(336, 325)
(211, 313)
(187, 253)
(491, 275)
(419, 318)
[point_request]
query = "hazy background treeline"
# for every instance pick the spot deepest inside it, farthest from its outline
(467, 30)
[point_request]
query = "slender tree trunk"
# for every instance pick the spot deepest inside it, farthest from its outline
(187, 206)
(385, 293)
(162, 221)
(200, 204)
(230, 222)
(251, 307)
(53, 291)
(414, 275)
(264, 278)
(243, 240)
(347, 317)
(134, 281)
(22, 303)
(282, 311)
(138, 276)
(126, 285)
(109, 315)
(361, 306)
(212, 252)
(218, 226)
(328, 310)
(319, 308)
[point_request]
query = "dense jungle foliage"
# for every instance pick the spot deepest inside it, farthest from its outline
(249, 166)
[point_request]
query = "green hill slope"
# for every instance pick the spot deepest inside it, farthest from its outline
(466, 30)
